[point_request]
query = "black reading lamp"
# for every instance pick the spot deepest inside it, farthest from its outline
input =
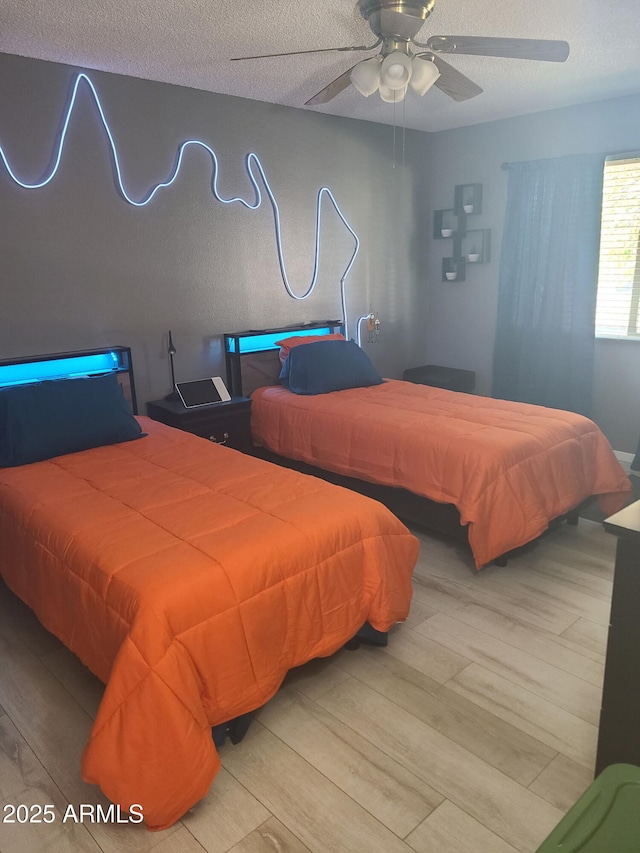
(172, 351)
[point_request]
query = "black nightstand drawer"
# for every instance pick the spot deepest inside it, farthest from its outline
(225, 423)
(451, 378)
(233, 430)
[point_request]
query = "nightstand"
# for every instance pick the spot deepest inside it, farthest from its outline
(451, 378)
(225, 423)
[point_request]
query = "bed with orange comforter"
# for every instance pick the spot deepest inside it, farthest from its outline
(509, 468)
(189, 578)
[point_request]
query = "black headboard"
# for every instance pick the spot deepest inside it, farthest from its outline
(67, 365)
(252, 356)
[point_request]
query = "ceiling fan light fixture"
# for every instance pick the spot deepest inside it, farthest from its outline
(395, 71)
(365, 76)
(423, 75)
(391, 96)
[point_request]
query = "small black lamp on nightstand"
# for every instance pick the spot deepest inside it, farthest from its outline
(173, 395)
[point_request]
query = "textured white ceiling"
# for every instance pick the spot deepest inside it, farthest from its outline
(190, 42)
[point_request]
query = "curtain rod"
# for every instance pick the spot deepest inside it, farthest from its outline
(611, 155)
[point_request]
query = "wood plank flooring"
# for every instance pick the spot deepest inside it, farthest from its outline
(474, 731)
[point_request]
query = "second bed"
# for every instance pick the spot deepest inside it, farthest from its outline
(509, 469)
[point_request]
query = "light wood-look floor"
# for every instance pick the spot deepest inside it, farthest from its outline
(472, 732)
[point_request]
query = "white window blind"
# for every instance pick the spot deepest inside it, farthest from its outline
(618, 304)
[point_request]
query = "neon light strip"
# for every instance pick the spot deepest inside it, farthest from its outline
(58, 368)
(252, 161)
(260, 343)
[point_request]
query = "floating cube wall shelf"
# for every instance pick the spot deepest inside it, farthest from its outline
(445, 220)
(453, 269)
(468, 198)
(478, 239)
(469, 247)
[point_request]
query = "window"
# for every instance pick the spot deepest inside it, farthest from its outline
(618, 305)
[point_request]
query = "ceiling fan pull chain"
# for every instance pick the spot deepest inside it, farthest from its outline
(394, 132)
(404, 128)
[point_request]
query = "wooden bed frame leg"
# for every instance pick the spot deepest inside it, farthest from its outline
(573, 517)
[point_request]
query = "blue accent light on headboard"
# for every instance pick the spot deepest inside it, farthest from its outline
(253, 166)
(71, 365)
(58, 368)
(263, 342)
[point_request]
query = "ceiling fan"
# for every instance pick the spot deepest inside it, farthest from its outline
(396, 23)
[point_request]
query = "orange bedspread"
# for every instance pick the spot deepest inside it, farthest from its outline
(509, 468)
(189, 578)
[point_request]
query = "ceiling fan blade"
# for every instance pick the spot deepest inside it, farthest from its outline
(318, 50)
(453, 83)
(334, 88)
(541, 49)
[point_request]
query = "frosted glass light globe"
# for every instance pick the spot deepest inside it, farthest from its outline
(395, 71)
(365, 76)
(424, 75)
(391, 96)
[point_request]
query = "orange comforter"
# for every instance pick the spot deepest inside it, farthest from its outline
(189, 578)
(509, 468)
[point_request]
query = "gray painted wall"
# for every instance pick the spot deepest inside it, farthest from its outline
(461, 317)
(82, 268)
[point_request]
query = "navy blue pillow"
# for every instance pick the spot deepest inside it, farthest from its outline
(54, 417)
(326, 366)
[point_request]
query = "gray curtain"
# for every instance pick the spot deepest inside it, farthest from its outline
(548, 279)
